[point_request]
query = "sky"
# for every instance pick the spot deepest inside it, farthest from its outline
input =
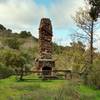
(20, 15)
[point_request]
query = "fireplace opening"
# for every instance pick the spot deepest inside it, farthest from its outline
(46, 70)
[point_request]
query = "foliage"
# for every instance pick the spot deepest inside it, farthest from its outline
(13, 43)
(2, 28)
(8, 57)
(23, 63)
(5, 71)
(58, 49)
(25, 34)
(86, 19)
(83, 20)
(94, 75)
(95, 8)
(16, 60)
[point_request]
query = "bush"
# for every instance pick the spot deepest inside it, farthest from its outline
(25, 34)
(2, 28)
(5, 71)
(18, 61)
(12, 43)
(68, 92)
(93, 78)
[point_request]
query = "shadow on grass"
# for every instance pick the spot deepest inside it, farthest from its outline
(34, 80)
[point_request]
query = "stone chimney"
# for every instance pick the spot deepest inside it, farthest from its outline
(45, 62)
(45, 39)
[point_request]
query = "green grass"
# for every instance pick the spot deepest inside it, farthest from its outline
(84, 90)
(34, 88)
(10, 88)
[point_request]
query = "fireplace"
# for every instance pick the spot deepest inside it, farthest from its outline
(46, 70)
(46, 66)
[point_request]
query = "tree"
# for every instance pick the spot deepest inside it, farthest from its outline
(16, 60)
(94, 12)
(95, 8)
(86, 19)
(87, 25)
(2, 28)
(24, 62)
(94, 75)
(5, 71)
(77, 50)
(25, 34)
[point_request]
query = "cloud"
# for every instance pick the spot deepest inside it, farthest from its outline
(62, 11)
(28, 12)
(3, 1)
(21, 11)
(21, 15)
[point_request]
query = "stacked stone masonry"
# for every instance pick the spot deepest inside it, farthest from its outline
(45, 61)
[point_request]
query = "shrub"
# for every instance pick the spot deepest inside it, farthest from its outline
(25, 34)
(5, 71)
(20, 61)
(93, 78)
(13, 43)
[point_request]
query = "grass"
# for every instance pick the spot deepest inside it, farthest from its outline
(36, 89)
(84, 90)
(10, 88)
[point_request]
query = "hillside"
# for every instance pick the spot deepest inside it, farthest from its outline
(28, 43)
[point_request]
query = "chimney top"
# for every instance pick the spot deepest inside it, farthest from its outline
(45, 25)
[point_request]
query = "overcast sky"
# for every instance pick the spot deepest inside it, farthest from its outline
(21, 15)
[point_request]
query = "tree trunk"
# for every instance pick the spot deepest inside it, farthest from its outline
(91, 54)
(91, 43)
(21, 74)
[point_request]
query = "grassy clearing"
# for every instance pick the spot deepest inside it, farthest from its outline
(10, 88)
(35, 89)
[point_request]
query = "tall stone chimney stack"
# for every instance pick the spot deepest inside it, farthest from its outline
(45, 63)
(45, 39)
